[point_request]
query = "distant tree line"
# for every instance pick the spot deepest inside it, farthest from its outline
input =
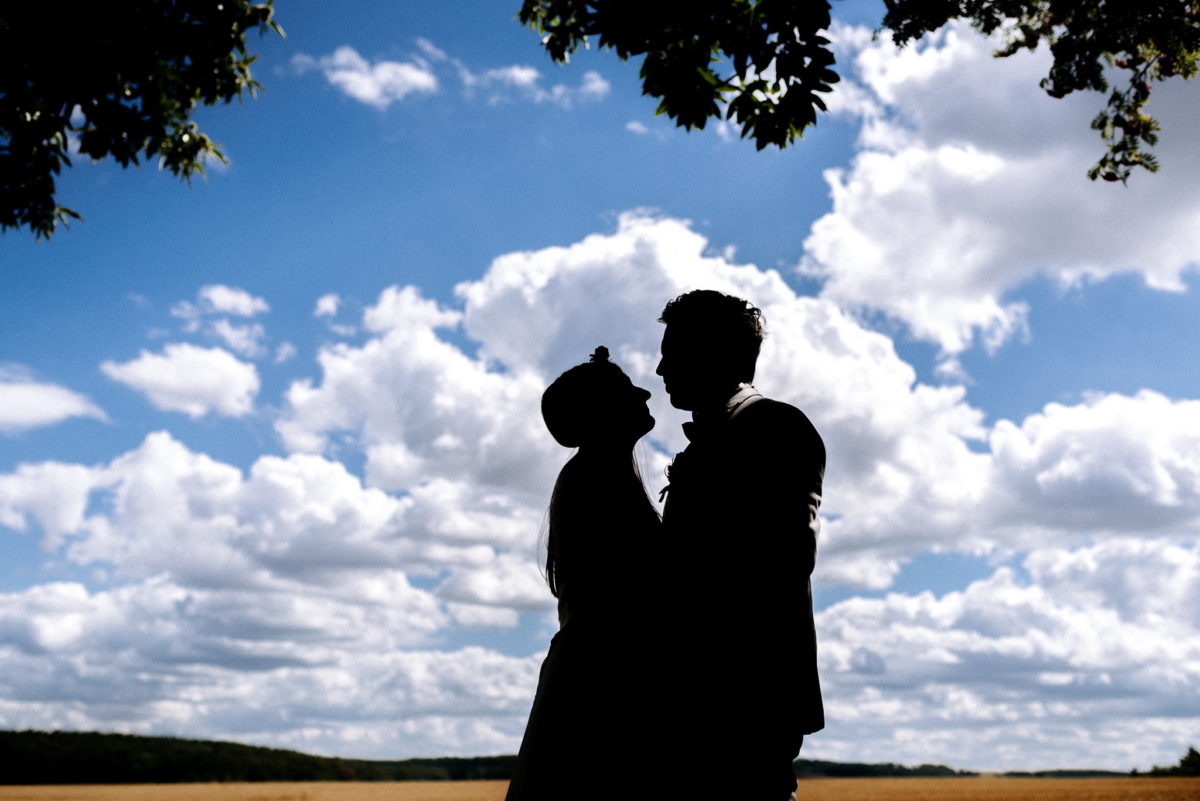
(37, 757)
(815, 768)
(1189, 765)
(1066, 774)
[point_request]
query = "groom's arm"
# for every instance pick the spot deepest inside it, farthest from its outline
(783, 514)
(781, 488)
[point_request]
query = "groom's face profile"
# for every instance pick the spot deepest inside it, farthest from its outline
(693, 378)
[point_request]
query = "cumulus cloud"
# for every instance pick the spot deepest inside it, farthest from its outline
(170, 511)
(327, 305)
(957, 196)
(27, 403)
(231, 300)
(385, 82)
(284, 670)
(1011, 673)
(237, 596)
(511, 581)
(284, 352)
(220, 299)
(502, 83)
(210, 313)
(638, 128)
(190, 379)
(456, 437)
(1113, 463)
(379, 84)
(244, 339)
(53, 495)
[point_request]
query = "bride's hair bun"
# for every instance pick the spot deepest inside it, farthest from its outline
(600, 354)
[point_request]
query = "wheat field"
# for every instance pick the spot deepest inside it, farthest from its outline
(906, 789)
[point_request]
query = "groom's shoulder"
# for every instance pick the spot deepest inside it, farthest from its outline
(773, 415)
(782, 438)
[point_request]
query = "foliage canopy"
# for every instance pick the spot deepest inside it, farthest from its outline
(113, 79)
(767, 60)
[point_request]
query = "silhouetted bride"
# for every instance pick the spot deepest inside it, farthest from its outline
(589, 720)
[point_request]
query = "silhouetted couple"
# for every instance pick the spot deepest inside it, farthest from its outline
(685, 664)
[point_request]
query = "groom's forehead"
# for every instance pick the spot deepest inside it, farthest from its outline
(678, 337)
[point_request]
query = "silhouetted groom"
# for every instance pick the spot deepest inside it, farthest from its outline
(741, 525)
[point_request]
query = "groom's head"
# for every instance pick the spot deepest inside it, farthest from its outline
(710, 346)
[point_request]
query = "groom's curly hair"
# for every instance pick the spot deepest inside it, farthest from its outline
(732, 327)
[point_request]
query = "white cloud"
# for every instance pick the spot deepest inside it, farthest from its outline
(1144, 581)
(222, 299)
(164, 510)
(500, 83)
(430, 50)
(54, 495)
(639, 128)
(453, 435)
(265, 605)
(26, 403)
(482, 617)
(244, 339)
(725, 130)
(307, 672)
(519, 76)
(958, 196)
(190, 313)
(207, 315)
(190, 379)
(1112, 463)
(327, 305)
(384, 82)
(1011, 674)
(511, 581)
(284, 352)
(379, 84)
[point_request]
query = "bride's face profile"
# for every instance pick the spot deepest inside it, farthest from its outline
(625, 404)
(596, 406)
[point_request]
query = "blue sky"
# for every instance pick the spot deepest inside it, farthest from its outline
(270, 464)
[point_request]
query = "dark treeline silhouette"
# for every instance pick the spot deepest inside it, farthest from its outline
(36, 757)
(815, 768)
(1189, 765)
(1066, 774)
(39, 757)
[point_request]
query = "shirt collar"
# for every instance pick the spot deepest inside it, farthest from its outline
(744, 393)
(706, 421)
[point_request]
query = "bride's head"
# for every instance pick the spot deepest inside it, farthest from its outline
(595, 404)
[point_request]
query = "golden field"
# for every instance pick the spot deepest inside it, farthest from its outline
(907, 789)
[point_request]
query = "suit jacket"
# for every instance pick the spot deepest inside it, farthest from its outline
(741, 522)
